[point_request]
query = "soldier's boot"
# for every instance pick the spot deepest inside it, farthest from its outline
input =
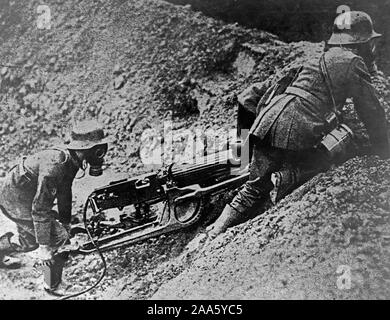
(286, 181)
(6, 247)
(52, 276)
(61, 290)
(228, 218)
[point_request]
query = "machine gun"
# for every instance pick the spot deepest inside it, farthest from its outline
(157, 203)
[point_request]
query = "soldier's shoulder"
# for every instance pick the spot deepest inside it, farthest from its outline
(56, 155)
(341, 55)
(53, 160)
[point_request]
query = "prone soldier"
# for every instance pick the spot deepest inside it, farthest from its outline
(290, 125)
(27, 196)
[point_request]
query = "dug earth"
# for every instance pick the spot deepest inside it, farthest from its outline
(133, 64)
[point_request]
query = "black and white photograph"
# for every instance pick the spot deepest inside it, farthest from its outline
(207, 151)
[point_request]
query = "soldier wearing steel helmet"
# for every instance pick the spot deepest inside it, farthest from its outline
(28, 192)
(289, 123)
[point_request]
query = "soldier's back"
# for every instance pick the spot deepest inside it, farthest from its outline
(50, 162)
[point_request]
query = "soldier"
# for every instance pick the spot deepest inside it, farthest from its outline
(290, 125)
(28, 192)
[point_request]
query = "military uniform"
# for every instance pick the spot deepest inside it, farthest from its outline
(293, 126)
(27, 196)
(296, 119)
(287, 129)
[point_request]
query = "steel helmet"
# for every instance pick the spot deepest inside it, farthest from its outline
(352, 27)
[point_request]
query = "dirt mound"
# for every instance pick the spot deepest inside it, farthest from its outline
(125, 62)
(132, 64)
(135, 64)
(297, 20)
(328, 240)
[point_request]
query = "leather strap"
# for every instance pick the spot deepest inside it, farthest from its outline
(328, 81)
(304, 95)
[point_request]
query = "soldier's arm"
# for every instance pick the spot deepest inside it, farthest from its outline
(368, 107)
(251, 96)
(64, 202)
(41, 208)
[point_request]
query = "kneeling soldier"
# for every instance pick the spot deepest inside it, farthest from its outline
(27, 197)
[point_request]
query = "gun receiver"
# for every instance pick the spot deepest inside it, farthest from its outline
(180, 190)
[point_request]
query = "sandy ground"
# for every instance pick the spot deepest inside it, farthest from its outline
(133, 64)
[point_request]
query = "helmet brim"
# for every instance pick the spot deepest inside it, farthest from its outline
(376, 35)
(85, 145)
(344, 38)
